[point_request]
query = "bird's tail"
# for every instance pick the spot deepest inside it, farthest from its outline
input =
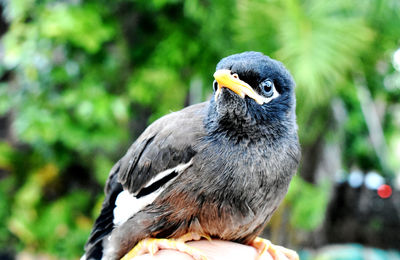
(104, 223)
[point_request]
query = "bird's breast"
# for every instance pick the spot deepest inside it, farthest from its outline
(229, 194)
(230, 191)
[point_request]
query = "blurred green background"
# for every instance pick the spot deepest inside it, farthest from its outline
(80, 80)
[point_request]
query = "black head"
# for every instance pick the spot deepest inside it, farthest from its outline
(252, 90)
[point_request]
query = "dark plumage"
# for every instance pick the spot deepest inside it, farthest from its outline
(236, 155)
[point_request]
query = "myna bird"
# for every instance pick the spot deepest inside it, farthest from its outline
(217, 169)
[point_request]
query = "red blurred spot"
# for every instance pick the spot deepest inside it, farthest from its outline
(384, 191)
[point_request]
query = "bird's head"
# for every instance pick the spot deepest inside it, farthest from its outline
(251, 89)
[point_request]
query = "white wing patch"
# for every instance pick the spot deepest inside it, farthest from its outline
(127, 204)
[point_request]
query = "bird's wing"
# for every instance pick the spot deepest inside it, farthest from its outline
(164, 147)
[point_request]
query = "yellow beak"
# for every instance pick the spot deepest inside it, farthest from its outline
(225, 79)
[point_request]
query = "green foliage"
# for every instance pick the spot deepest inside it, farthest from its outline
(80, 25)
(149, 84)
(6, 153)
(308, 203)
(81, 79)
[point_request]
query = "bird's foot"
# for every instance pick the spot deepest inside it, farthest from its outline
(153, 245)
(264, 246)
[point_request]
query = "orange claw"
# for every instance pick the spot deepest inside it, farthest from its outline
(153, 245)
(266, 249)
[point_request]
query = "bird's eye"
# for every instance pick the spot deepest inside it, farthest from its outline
(267, 87)
(215, 85)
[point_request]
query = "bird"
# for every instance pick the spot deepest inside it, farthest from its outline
(217, 169)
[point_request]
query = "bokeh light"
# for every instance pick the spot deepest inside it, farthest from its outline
(384, 191)
(396, 60)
